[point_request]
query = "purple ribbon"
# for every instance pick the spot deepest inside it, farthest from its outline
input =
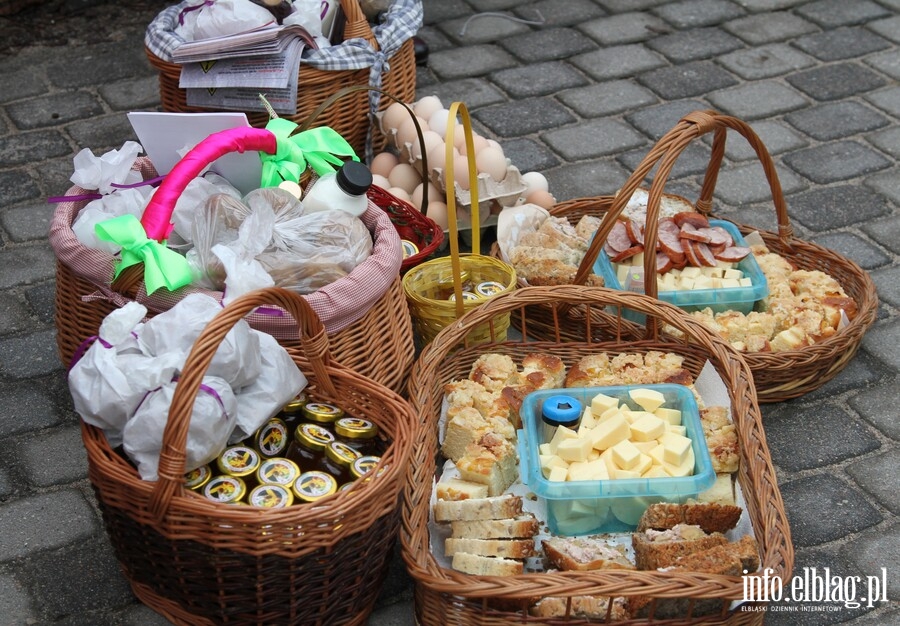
(97, 196)
(206, 3)
(82, 348)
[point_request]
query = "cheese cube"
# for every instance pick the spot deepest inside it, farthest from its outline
(587, 419)
(631, 416)
(647, 428)
(715, 282)
(668, 282)
(675, 448)
(625, 455)
(598, 469)
(647, 399)
(621, 474)
(562, 433)
(716, 272)
(601, 402)
(644, 463)
(574, 449)
(593, 454)
(558, 474)
(606, 457)
(622, 273)
(544, 448)
(629, 510)
(690, 272)
(645, 446)
(655, 471)
(733, 273)
(609, 432)
(745, 282)
(577, 471)
(581, 508)
(672, 416)
(548, 462)
(678, 429)
(613, 410)
(686, 283)
(686, 468)
(725, 265)
(703, 282)
(657, 454)
(730, 283)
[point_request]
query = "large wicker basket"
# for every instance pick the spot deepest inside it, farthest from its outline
(777, 375)
(351, 118)
(445, 596)
(200, 562)
(378, 320)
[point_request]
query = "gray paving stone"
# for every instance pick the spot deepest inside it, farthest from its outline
(822, 508)
(756, 6)
(835, 120)
(44, 522)
(475, 92)
(854, 248)
(131, 95)
(607, 99)
(34, 146)
(41, 300)
(658, 120)
(438, 11)
(889, 28)
(765, 61)
(102, 133)
(435, 39)
(775, 136)
(624, 28)
(746, 184)
(695, 44)
(886, 62)
(29, 355)
(22, 83)
(14, 316)
(469, 61)
(523, 117)
(547, 45)
(617, 62)
(620, 6)
(7, 487)
(687, 80)
(560, 12)
(493, 5)
(539, 79)
(764, 28)
(16, 186)
(879, 339)
(887, 141)
(885, 231)
(54, 458)
(698, 13)
(834, 13)
(883, 617)
(814, 437)
(98, 64)
(141, 615)
(487, 28)
(582, 180)
(55, 176)
(15, 604)
(876, 405)
(757, 100)
(691, 162)
(54, 109)
(836, 161)
(760, 216)
(24, 407)
(842, 43)
(529, 155)
(826, 208)
(98, 584)
(593, 139)
(874, 550)
(887, 100)
(836, 82)
(28, 223)
(880, 476)
(885, 184)
(25, 265)
(862, 371)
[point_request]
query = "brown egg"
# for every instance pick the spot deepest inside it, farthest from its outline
(432, 139)
(383, 163)
(406, 133)
(437, 156)
(400, 193)
(381, 181)
(393, 116)
(541, 198)
(434, 194)
(492, 162)
(438, 212)
(404, 176)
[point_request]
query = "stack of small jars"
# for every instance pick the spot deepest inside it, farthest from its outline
(308, 451)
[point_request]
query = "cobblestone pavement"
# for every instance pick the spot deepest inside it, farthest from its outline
(582, 98)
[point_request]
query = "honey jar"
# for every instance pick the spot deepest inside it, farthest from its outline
(307, 449)
(225, 489)
(338, 459)
(315, 485)
(272, 438)
(321, 413)
(363, 465)
(196, 479)
(271, 496)
(278, 471)
(358, 433)
(239, 462)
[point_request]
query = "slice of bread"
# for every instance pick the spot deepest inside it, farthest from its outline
(585, 553)
(504, 548)
(463, 429)
(521, 527)
(653, 550)
(486, 565)
(744, 552)
(456, 489)
(710, 517)
(491, 461)
(497, 507)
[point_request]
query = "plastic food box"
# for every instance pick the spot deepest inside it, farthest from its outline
(602, 506)
(739, 299)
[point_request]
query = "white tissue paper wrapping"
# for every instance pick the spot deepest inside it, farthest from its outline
(130, 375)
(212, 420)
(224, 17)
(513, 222)
(93, 172)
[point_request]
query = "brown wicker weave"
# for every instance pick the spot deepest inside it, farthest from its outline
(777, 375)
(444, 596)
(200, 562)
(350, 118)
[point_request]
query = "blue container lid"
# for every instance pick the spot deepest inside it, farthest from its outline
(561, 410)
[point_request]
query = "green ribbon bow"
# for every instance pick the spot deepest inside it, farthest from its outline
(318, 148)
(162, 267)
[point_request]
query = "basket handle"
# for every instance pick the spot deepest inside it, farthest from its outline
(356, 24)
(664, 154)
(313, 340)
(460, 108)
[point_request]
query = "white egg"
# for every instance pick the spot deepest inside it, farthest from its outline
(383, 163)
(438, 121)
(406, 134)
(404, 176)
(438, 212)
(381, 181)
(535, 181)
(393, 116)
(478, 142)
(431, 138)
(434, 194)
(426, 106)
(492, 162)
(492, 143)
(397, 192)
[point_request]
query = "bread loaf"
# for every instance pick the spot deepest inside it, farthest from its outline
(521, 527)
(584, 553)
(505, 548)
(491, 461)
(492, 508)
(710, 517)
(655, 549)
(456, 489)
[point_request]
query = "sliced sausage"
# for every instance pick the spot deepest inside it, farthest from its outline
(627, 254)
(618, 238)
(635, 232)
(663, 263)
(733, 254)
(694, 234)
(704, 255)
(697, 220)
(724, 234)
(717, 237)
(668, 240)
(690, 253)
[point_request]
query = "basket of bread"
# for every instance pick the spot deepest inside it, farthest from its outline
(601, 479)
(796, 310)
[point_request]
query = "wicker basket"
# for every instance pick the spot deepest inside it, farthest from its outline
(200, 562)
(428, 285)
(445, 596)
(351, 118)
(777, 375)
(368, 310)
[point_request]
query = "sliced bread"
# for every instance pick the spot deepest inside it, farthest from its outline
(521, 527)
(496, 507)
(710, 517)
(505, 548)
(486, 565)
(457, 489)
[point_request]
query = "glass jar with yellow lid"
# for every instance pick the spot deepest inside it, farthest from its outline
(278, 471)
(225, 489)
(358, 433)
(338, 459)
(315, 485)
(196, 479)
(271, 496)
(307, 449)
(272, 438)
(240, 462)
